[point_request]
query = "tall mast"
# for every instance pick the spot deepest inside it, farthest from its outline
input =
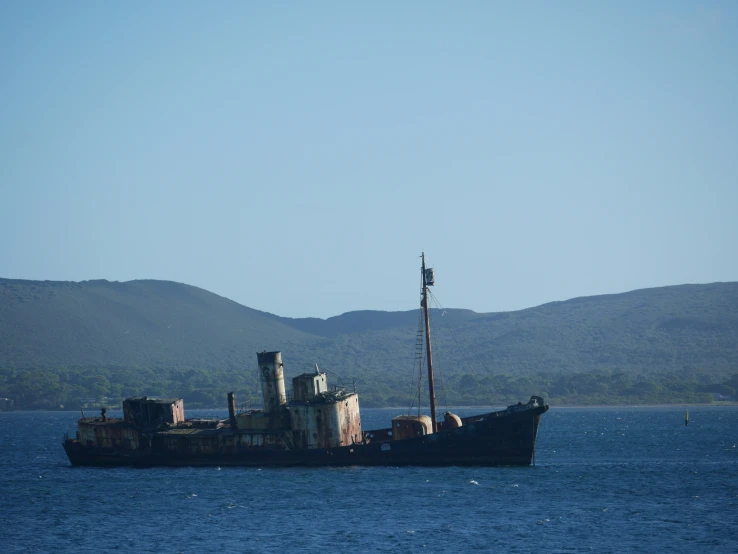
(431, 384)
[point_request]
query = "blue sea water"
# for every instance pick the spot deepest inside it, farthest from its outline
(605, 480)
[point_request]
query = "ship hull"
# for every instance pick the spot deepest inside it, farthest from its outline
(490, 440)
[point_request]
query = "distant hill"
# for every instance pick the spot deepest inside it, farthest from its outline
(143, 323)
(72, 344)
(162, 324)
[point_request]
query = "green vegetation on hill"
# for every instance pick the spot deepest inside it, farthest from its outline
(135, 324)
(72, 388)
(61, 342)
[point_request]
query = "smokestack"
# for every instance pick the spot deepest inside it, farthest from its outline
(272, 380)
(232, 409)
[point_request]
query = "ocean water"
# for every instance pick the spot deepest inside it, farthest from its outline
(605, 480)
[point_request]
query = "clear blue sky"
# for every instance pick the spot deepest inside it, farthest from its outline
(297, 157)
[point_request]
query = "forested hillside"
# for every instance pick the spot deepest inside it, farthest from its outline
(63, 341)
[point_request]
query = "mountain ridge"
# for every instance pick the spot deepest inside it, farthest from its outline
(62, 343)
(156, 323)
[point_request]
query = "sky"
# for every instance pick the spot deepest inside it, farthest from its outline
(297, 157)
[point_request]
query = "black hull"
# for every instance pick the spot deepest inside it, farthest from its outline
(493, 441)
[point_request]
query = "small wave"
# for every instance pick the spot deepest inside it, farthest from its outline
(473, 482)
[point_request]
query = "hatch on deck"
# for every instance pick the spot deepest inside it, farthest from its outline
(409, 426)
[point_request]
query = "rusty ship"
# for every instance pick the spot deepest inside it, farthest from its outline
(314, 426)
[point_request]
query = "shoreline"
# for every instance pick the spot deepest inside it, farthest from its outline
(731, 404)
(591, 406)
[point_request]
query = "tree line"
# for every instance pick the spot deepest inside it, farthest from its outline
(71, 388)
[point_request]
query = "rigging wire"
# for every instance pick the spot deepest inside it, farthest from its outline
(467, 348)
(418, 360)
(440, 369)
(420, 380)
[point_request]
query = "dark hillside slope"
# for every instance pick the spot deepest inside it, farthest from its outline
(161, 324)
(138, 323)
(647, 330)
(644, 331)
